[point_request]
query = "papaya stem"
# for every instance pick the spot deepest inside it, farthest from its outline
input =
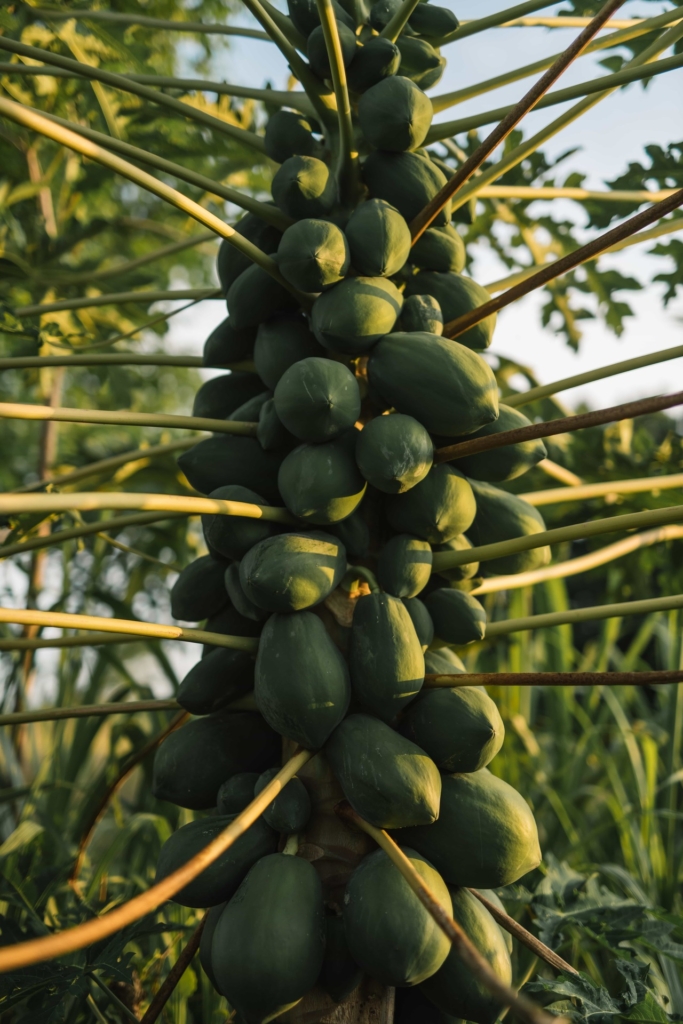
(175, 974)
(398, 22)
(116, 298)
(22, 643)
(426, 216)
(566, 424)
(88, 711)
(542, 951)
(285, 25)
(600, 611)
(146, 22)
(347, 173)
(470, 28)
(116, 522)
(117, 359)
(657, 678)
(583, 492)
(525, 1009)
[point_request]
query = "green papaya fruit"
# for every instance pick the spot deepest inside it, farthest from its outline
(233, 536)
(320, 483)
(193, 761)
(280, 342)
(385, 655)
(240, 601)
(354, 534)
(439, 507)
(390, 933)
(420, 61)
(231, 261)
(493, 897)
(406, 180)
(377, 59)
(304, 187)
(305, 16)
(421, 313)
(454, 988)
(457, 295)
(441, 249)
(395, 114)
(271, 433)
(230, 460)
(210, 921)
(236, 793)
(269, 942)
(381, 13)
(502, 464)
(220, 880)
(199, 590)
(289, 133)
(460, 572)
(356, 313)
(316, 49)
(404, 565)
(457, 616)
(291, 809)
(438, 381)
(412, 1007)
(250, 411)
(378, 237)
(486, 834)
(432, 22)
(216, 680)
(444, 660)
(387, 779)
(218, 397)
(313, 254)
(302, 683)
(340, 973)
(292, 571)
(227, 345)
(255, 295)
(229, 622)
(394, 453)
(502, 516)
(317, 399)
(459, 727)
(424, 627)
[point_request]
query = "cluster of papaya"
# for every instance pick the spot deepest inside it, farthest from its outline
(352, 394)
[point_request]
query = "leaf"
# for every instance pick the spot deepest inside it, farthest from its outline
(648, 1012)
(595, 1002)
(635, 973)
(21, 837)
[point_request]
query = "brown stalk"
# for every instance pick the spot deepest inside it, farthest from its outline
(175, 974)
(542, 951)
(437, 679)
(562, 266)
(426, 216)
(564, 425)
(525, 1009)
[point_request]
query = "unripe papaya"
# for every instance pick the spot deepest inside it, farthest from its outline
(502, 516)
(316, 49)
(304, 14)
(269, 941)
(459, 727)
(280, 342)
(444, 660)
(493, 897)
(317, 399)
(420, 61)
(378, 237)
(340, 973)
(457, 616)
(193, 761)
(459, 572)
(255, 295)
(304, 187)
(356, 313)
(486, 834)
(432, 22)
(404, 565)
(229, 622)
(220, 396)
(421, 313)
(394, 453)
(233, 536)
(291, 809)
(424, 627)
(227, 345)
(377, 59)
(438, 381)
(406, 180)
(239, 599)
(292, 571)
(395, 114)
(454, 988)
(320, 483)
(381, 13)
(216, 680)
(289, 133)
(440, 249)
(302, 683)
(313, 255)
(250, 411)
(199, 590)
(457, 295)
(271, 433)
(439, 507)
(219, 880)
(385, 655)
(354, 534)
(231, 262)
(210, 921)
(502, 464)
(387, 779)
(236, 793)
(390, 933)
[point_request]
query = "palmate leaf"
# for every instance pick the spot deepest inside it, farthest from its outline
(579, 997)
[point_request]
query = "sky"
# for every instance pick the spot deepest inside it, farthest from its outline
(609, 136)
